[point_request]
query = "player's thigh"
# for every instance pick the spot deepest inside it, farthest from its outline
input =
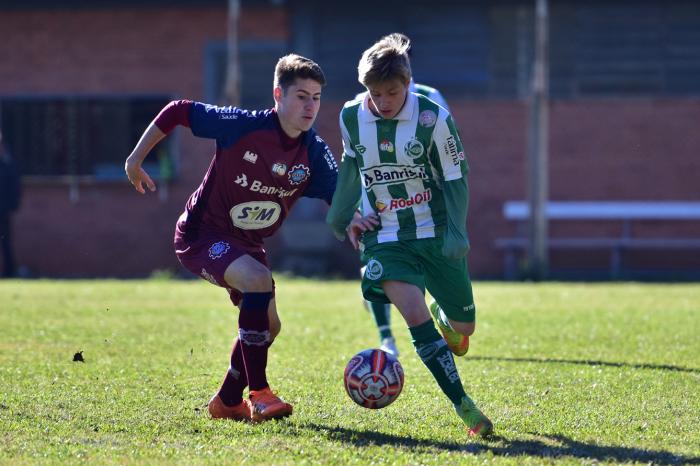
(447, 280)
(389, 261)
(248, 274)
(409, 300)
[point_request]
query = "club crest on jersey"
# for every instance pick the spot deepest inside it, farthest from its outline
(413, 148)
(374, 269)
(218, 249)
(251, 157)
(386, 146)
(427, 118)
(279, 169)
(298, 174)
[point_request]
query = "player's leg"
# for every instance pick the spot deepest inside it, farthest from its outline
(448, 282)
(208, 256)
(382, 318)
(258, 324)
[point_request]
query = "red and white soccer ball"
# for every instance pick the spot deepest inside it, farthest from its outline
(373, 378)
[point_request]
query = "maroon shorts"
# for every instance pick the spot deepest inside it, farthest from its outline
(211, 253)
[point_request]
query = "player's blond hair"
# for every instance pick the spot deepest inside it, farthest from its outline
(293, 66)
(386, 60)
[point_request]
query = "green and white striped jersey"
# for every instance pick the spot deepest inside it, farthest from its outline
(403, 163)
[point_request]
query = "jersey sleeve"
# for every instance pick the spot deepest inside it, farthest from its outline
(176, 113)
(324, 171)
(449, 148)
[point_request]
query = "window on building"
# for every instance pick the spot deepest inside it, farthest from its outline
(81, 136)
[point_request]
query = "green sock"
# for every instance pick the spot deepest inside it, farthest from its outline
(436, 356)
(382, 317)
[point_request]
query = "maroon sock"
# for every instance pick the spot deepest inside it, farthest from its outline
(231, 391)
(254, 335)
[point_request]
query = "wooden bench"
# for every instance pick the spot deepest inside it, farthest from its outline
(613, 211)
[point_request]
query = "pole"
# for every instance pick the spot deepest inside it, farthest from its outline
(232, 86)
(538, 165)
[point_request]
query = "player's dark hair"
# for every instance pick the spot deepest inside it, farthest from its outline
(386, 60)
(293, 66)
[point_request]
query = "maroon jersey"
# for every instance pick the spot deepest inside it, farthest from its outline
(257, 173)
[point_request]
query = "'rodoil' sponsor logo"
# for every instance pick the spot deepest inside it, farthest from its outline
(401, 203)
(389, 174)
(255, 215)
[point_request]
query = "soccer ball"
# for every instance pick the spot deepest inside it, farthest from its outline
(373, 378)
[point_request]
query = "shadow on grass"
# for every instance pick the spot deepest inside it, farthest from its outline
(664, 367)
(544, 446)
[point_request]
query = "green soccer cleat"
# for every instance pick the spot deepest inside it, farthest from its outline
(458, 343)
(479, 425)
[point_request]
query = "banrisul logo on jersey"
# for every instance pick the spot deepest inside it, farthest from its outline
(390, 174)
(255, 215)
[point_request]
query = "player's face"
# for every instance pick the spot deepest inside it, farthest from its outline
(387, 97)
(298, 106)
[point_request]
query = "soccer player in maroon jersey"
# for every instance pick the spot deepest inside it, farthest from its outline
(264, 162)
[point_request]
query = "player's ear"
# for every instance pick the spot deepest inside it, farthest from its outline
(277, 94)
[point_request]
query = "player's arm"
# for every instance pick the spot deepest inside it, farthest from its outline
(346, 197)
(173, 114)
(455, 188)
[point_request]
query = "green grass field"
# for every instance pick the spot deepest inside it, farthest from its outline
(569, 373)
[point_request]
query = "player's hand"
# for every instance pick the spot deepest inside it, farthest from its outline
(359, 225)
(138, 176)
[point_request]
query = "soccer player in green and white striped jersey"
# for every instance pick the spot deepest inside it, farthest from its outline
(403, 163)
(381, 312)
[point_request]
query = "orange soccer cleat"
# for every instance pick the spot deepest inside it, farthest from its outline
(240, 412)
(266, 405)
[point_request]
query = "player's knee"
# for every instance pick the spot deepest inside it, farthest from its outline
(465, 328)
(275, 329)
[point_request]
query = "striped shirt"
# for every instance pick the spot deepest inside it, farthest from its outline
(403, 162)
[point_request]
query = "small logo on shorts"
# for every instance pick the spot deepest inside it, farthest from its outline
(208, 277)
(218, 249)
(374, 270)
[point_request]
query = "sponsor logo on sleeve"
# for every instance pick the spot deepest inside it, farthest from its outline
(255, 215)
(427, 118)
(451, 150)
(218, 249)
(330, 160)
(413, 148)
(298, 174)
(360, 149)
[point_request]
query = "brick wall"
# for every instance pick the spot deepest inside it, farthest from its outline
(600, 149)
